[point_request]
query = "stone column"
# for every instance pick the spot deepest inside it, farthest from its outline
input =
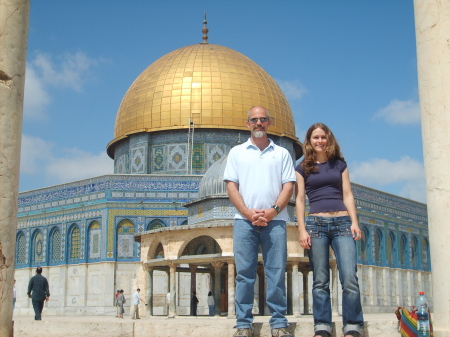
(14, 16)
(432, 18)
(172, 305)
(149, 297)
(386, 286)
(295, 290)
(305, 292)
(193, 269)
(231, 290)
(217, 281)
(289, 289)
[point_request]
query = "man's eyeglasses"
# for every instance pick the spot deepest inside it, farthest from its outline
(255, 120)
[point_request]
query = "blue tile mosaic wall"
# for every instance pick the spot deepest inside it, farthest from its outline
(167, 152)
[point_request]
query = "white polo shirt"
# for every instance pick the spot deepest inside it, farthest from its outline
(260, 174)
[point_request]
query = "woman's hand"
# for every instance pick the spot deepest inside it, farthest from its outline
(356, 232)
(305, 240)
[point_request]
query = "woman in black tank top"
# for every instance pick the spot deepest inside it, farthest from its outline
(323, 176)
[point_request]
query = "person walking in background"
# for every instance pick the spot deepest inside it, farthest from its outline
(120, 302)
(211, 304)
(194, 303)
(332, 221)
(260, 178)
(116, 304)
(136, 299)
(39, 292)
(14, 295)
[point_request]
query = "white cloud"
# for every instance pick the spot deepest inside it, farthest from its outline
(77, 164)
(39, 159)
(36, 97)
(43, 73)
(70, 72)
(407, 172)
(292, 89)
(400, 112)
(35, 152)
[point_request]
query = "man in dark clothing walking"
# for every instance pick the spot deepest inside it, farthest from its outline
(39, 292)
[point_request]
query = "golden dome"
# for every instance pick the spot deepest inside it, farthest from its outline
(212, 85)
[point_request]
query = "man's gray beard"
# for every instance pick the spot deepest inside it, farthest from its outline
(259, 133)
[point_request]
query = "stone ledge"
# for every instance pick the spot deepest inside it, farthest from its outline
(377, 325)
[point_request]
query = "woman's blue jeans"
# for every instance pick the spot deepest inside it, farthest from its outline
(334, 231)
(246, 241)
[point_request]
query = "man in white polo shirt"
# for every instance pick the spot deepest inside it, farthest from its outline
(260, 180)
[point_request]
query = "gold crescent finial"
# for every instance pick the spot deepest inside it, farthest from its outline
(205, 30)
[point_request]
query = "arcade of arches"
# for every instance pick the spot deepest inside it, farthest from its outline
(201, 259)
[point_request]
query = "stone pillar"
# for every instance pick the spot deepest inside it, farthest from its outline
(386, 289)
(409, 292)
(149, 297)
(172, 305)
(432, 19)
(295, 290)
(168, 290)
(289, 289)
(217, 281)
(14, 16)
(231, 290)
(370, 286)
(305, 292)
(398, 287)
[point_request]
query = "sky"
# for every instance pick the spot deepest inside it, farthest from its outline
(348, 64)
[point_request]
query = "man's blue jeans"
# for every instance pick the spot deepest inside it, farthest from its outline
(334, 231)
(247, 239)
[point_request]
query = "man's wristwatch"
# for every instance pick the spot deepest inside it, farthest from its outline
(276, 208)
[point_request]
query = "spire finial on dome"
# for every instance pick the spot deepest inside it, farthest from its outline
(205, 30)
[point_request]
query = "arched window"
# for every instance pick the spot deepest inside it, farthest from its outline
(414, 253)
(202, 245)
(159, 251)
(378, 246)
(74, 245)
(402, 251)
(155, 224)
(38, 248)
(363, 243)
(21, 249)
(55, 245)
(425, 254)
(185, 222)
(390, 248)
(94, 240)
(125, 239)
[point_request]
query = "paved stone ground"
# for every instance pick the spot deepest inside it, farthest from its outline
(377, 325)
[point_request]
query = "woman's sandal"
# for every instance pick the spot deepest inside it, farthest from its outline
(353, 333)
(322, 333)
